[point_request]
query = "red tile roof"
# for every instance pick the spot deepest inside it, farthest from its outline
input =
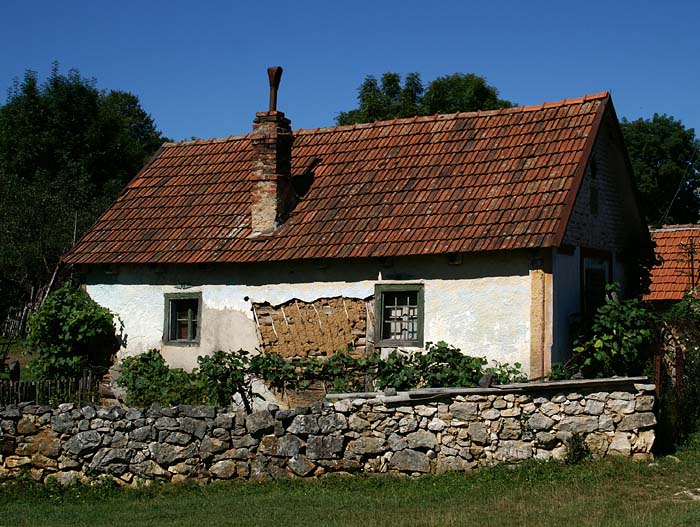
(671, 279)
(492, 180)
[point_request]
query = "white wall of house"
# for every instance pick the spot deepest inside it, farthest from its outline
(481, 305)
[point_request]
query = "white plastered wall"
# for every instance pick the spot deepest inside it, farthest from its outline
(481, 306)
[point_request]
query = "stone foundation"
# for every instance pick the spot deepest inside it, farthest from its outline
(419, 432)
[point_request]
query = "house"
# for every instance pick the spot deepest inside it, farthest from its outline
(490, 230)
(678, 272)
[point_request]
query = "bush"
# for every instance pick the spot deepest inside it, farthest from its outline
(441, 366)
(71, 333)
(617, 343)
(148, 380)
(226, 375)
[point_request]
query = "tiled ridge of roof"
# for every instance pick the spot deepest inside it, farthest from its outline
(477, 181)
(672, 278)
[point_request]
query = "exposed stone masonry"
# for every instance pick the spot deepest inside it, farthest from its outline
(384, 434)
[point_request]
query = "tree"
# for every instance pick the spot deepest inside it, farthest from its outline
(66, 150)
(666, 164)
(390, 100)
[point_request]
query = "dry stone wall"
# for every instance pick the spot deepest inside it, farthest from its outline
(448, 431)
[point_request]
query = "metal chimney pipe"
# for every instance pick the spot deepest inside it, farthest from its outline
(274, 73)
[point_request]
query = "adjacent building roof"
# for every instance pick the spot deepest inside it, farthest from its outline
(678, 248)
(481, 181)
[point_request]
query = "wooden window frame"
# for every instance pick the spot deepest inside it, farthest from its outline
(379, 290)
(171, 298)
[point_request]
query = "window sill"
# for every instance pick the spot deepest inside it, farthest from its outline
(398, 343)
(181, 343)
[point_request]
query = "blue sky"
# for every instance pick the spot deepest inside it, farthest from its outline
(199, 67)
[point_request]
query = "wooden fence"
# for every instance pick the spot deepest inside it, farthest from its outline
(80, 390)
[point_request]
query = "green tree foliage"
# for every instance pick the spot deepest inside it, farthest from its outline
(663, 152)
(389, 99)
(71, 333)
(66, 151)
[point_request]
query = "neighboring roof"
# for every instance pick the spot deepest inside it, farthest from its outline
(480, 181)
(674, 243)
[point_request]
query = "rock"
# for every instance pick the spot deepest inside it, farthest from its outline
(17, 461)
(223, 469)
(464, 411)
(511, 412)
(300, 465)
(149, 469)
(644, 442)
(222, 420)
(645, 387)
(620, 445)
(88, 412)
(210, 445)
(268, 445)
(500, 404)
(407, 424)
(490, 414)
(634, 421)
(579, 424)
(396, 442)
(165, 454)
(26, 426)
(46, 443)
(509, 451)
(166, 423)
(193, 426)
(537, 421)
(624, 396)
(67, 479)
(436, 425)
(44, 462)
(421, 439)
(112, 460)
(410, 461)
(645, 403)
(83, 442)
(343, 406)
(288, 446)
(511, 429)
(546, 440)
(175, 438)
(199, 412)
(246, 441)
(605, 423)
(559, 398)
(623, 406)
(358, 424)
(598, 444)
(479, 433)
(425, 411)
(594, 407)
(366, 445)
(62, 423)
(332, 423)
(304, 425)
(142, 434)
(325, 447)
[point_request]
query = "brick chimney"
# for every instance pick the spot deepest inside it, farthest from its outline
(272, 194)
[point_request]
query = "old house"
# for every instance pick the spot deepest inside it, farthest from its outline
(678, 271)
(490, 230)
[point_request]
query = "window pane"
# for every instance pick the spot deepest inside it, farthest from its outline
(400, 315)
(183, 319)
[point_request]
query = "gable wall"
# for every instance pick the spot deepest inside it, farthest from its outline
(481, 306)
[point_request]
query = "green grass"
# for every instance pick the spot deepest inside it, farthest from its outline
(606, 493)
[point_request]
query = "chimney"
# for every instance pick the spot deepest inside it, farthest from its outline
(272, 194)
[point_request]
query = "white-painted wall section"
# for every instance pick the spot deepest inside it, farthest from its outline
(481, 305)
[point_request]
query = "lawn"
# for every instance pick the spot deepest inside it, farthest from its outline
(605, 493)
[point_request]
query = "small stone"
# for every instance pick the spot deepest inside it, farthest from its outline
(210, 445)
(478, 433)
(634, 421)
(559, 398)
(645, 403)
(645, 387)
(579, 424)
(620, 445)
(436, 425)
(540, 422)
(300, 465)
(410, 461)
(499, 403)
(425, 411)
(367, 445)
(594, 407)
(408, 424)
(334, 422)
(166, 423)
(491, 414)
(464, 411)
(421, 439)
(83, 442)
(304, 425)
(357, 423)
(326, 447)
(396, 442)
(225, 469)
(26, 426)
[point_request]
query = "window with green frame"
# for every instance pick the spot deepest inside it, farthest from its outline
(399, 315)
(182, 318)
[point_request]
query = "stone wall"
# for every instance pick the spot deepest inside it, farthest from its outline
(419, 432)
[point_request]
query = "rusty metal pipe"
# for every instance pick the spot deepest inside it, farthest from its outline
(274, 73)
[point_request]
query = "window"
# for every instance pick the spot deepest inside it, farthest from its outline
(399, 314)
(183, 317)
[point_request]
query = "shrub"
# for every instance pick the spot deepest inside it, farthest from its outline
(577, 449)
(224, 376)
(71, 333)
(442, 365)
(148, 380)
(617, 342)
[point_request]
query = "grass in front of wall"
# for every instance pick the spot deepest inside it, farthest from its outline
(604, 493)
